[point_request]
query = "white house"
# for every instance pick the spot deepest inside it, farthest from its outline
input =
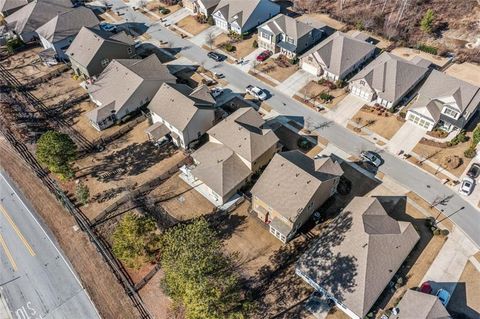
(187, 114)
(337, 56)
(387, 80)
(445, 102)
(245, 15)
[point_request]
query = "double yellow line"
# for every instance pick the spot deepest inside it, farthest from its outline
(19, 234)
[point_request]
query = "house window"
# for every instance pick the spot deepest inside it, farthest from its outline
(265, 36)
(450, 112)
(105, 62)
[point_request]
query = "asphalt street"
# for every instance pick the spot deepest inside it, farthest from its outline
(35, 278)
(406, 174)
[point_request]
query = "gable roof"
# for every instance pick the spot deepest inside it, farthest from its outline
(390, 76)
(122, 78)
(89, 41)
(178, 103)
(239, 11)
(67, 24)
(291, 179)
(209, 3)
(419, 305)
(7, 5)
(440, 85)
(219, 168)
(339, 52)
(37, 13)
(291, 27)
(242, 132)
(358, 253)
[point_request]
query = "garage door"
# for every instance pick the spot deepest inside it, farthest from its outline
(419, 121)
(360, 93)
(309, 68)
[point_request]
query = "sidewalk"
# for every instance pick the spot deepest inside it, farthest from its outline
(4, 311)
(447, 268)
(295, 82)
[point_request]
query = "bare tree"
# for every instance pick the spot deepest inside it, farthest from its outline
(210, 39)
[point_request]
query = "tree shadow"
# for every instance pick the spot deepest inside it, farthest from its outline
(131, 160)
(225, 224)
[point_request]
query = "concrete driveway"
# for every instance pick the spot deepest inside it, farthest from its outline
(295, 82)
(177, 16)
(201, 38)
(406, 138)
(346, 109)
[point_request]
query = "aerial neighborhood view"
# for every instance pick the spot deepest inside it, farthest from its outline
(237, 159)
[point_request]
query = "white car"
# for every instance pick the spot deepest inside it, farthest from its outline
(256, 92)
(216, 92)
(372, 158)
(466, 186)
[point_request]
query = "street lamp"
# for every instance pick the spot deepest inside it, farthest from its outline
(458, 210)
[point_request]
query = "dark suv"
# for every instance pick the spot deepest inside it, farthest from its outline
(215, 56)
(474, 170)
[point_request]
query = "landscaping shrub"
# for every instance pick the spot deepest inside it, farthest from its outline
(235, 36)
(436, 232)
(340, 83)
(321, 81)
(13, 44)
(427, 48)
(303, 143)
(201, 18)
(210, 20)
(255, 44)
(470, 152)
(444, 232)
(293, 61)
(326, 97)
(165, 11)
(229, 47)
(476, 136)
(459, 138)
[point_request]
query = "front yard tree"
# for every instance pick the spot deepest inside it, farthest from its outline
(426, 23)
(57, 151)
(198, 274)
(135, 240)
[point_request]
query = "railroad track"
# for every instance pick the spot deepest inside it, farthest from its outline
(51, 115)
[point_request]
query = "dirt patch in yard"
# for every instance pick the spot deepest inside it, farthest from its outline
(180, 200)
(409, 53)
(27, 66)
(128, 162)
(156, 5)
(439, 155)
(102, 286)
(278, 68)
(262, 78)
(312, 91)
(378, 120)
(242, 47)
(157, 302)
(191, 25)
(465, 300)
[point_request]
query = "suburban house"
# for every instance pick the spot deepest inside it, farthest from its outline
(25, 21)
(357, 255)
(387, 80)
(58, 33)
(123, 87)
(237, 147)
(205, 7)
(243, 16)
(337, 57)
(444, 102)
(93, 49)
(287, 35)
(419, 305)
(291, 189)
(8, 7)
(186, 113)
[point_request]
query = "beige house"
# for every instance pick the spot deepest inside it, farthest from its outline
(237, 147)
(419, 305)
(358, 253)
(337, 57)
(291, 188)
(186, 113)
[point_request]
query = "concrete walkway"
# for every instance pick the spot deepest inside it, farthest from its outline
(447, 268)
(346, 109)
(249, 60)
(406, 138)
(201, 38)
(295, 82)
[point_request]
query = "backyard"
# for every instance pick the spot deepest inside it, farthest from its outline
(378, 120)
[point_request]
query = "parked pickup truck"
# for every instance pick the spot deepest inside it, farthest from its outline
(256, 92)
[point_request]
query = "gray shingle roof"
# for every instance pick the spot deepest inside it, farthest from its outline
(238, 10)
(242, 132)
(67, 24)
(419, 305)
(440, 85)
(123, 78)
(89, 41)
(37, 13)
(219, 168)
(391, 76)
(177, 103)
(339, 52)
(358, 253)
(291, 27)
(291, 179)
(7, 5)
